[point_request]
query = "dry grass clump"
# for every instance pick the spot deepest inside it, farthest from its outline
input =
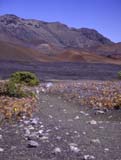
(17, 99)
(15, 108)
(102, 94)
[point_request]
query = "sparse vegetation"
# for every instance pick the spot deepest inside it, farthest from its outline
(15, 100)
(119, 74)
(26, 78)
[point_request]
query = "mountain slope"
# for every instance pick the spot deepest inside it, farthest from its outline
(84, 56)
(111, 51)
(48, 37)
(12, 52)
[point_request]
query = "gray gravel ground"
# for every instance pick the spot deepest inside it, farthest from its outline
(62, 70)
(62, 131)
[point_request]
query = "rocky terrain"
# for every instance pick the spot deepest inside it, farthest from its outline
(40, 34)
(62, 130)
(77, 114)
(29, 40)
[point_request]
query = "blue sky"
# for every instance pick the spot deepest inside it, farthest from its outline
(102, 15)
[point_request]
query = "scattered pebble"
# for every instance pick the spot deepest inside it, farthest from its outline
(57, 150)
(26, 122)
(93, 122)
(106, 149)
(97, 141)
(84, 133)
(74, 147)
(51, 106)
(77, 117)
(50, 116)
(34, 121)
(31, 127)
(70, 120)
(58, 137)
(82, 112)
(44, 138)
(27, 132)
(1, 149)
(48, 85)
(40, 131)
(32, 144)
(1, 136)
(99, 112)
(88, 157)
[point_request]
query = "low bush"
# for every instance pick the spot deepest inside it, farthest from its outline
(14, 90)
(26, 78)
(119, 74)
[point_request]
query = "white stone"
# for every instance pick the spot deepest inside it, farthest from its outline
(50, 116)
(44, 138)
(82, 112)
(57, 150)
(77, 117)
(84, 133)
(40, 131)
(106, 149)
(34, 121)
(95, 141)
(48, 85)
(1, 136)
(74, 147)
(93, 122)
(33, 144)
(1, 149)
(88, 157)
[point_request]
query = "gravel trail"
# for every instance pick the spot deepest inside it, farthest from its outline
(62, 130)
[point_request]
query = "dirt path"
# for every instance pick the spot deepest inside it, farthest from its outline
(62, 131)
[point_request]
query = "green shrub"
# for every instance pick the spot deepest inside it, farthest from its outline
(2, 88)
(26, 78)
(119, 74)
(14, 90)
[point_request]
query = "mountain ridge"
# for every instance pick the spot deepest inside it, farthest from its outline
(36, 33)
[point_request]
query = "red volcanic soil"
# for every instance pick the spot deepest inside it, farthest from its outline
(9, 51)
(83, 56)
(15, 52)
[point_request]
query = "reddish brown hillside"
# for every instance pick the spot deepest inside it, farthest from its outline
(84, 56)
(9, 51)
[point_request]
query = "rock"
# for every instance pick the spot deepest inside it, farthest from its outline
(82, 112)
(58, 138)
(2, 117)
(99, 111)
(34, 121)
(27, 132)
(1, 136)
(88, 157)
(43, 90)
(106, 149)
(84, 133)
(1, 149)
(33, 136)
(74, 147)
(32, 144)
(97, 141)
(13, 147)
(93, 122)
(50, 116)
(44, 138)
(26, 122)
(49, 84)
(57, 150)
(31, 127)
(77, 117)
(40, 131)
